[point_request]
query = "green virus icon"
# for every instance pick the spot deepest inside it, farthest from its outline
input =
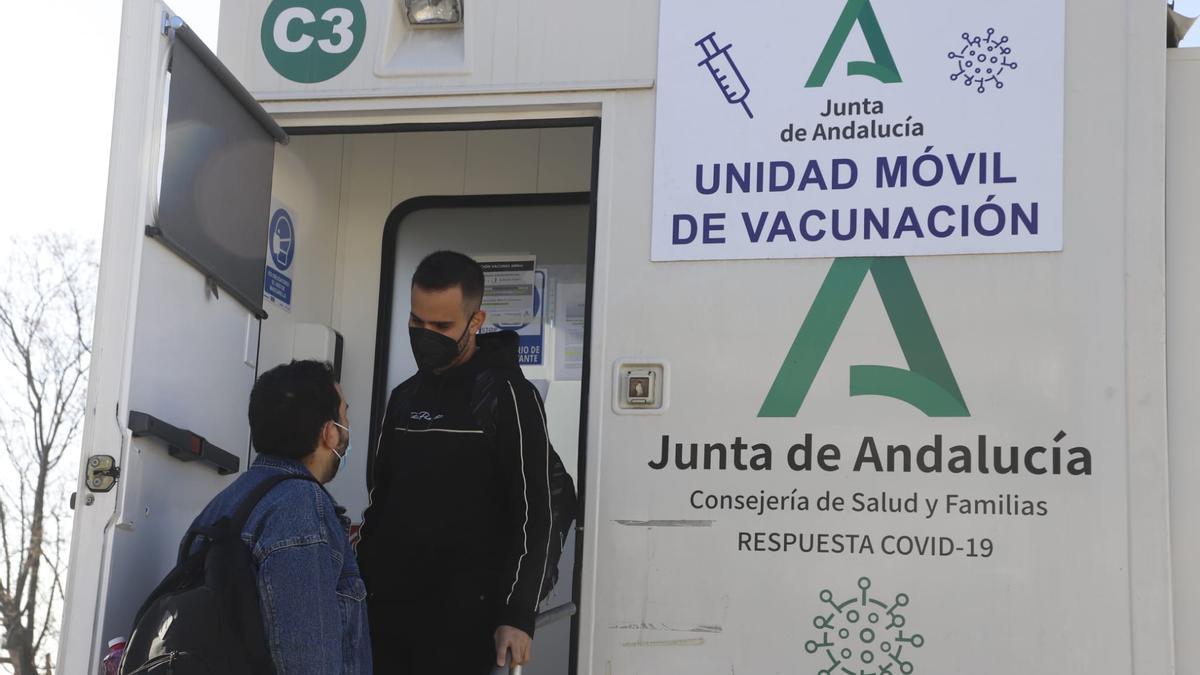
(864, 636)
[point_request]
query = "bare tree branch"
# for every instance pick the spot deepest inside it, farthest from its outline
(56, 564)
(7, 551)
(46, 305)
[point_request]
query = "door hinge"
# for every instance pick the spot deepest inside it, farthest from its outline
(170, 24)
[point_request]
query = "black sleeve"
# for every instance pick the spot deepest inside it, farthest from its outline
(524, 447)
(381, 475)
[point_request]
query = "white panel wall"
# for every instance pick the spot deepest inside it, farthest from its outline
(307, 180)
(1183, 347)
(502, 162)
(510, 45)
(1036, 341)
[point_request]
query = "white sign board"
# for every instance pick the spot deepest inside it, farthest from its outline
(859, 128)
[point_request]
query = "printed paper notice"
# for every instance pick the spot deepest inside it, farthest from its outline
(570, 315)
(508, 289)
(530, 335)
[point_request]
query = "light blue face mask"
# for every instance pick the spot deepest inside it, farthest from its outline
(345, 453)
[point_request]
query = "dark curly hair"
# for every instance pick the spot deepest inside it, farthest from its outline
(289, 405)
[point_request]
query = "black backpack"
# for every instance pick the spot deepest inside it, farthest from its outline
(564, 504)
(204, 618)
(564, 507)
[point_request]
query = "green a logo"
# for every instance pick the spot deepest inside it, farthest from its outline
(928, 384)
(883, 68)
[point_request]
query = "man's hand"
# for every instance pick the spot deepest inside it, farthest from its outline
(515, 640)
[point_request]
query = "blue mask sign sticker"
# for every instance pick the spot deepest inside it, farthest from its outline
(281, 256)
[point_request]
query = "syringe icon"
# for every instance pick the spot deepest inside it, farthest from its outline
(724, 71)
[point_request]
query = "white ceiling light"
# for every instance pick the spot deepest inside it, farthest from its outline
(434, 12)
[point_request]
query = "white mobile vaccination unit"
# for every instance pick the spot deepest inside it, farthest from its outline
(856, 320)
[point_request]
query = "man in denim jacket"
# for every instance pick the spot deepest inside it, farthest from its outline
(311, 595)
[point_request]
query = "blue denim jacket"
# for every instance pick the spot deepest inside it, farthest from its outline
(312, 598)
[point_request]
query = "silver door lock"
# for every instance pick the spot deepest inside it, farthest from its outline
(102, 473)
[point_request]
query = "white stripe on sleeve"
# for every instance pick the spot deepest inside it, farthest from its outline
(524, 492)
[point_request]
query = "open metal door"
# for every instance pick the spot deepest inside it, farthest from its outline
(177, 319)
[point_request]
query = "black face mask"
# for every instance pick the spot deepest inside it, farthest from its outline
(434, 351)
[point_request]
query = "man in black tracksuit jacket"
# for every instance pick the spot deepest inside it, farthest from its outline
(455, 542)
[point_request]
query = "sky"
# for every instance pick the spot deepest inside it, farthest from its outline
(57, 117)
(1189, 8)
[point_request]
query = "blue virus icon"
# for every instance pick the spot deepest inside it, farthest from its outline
(982, 60)
(863, 635)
